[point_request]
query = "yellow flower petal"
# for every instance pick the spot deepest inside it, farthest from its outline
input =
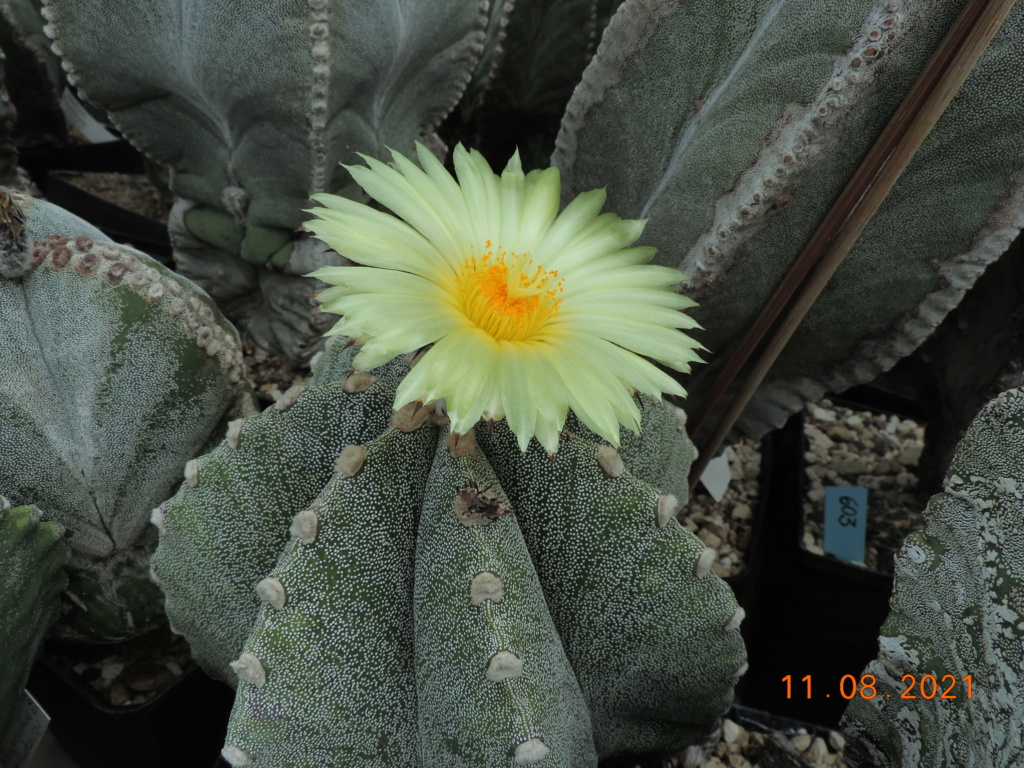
(406, 196)
(372, 238)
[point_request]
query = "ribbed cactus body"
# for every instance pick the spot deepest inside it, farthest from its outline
(33, 554)
(418, 617)
(493, 681)
(734, 126)
(114, 371)
(333, 649)
(957, 613)
(226, 528)
(254, 106)
(628, 587)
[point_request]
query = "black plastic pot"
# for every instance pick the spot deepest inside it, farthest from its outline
(110, 156)
(184, 725)
(809, 615)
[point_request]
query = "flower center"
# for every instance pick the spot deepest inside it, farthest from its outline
(507, 295)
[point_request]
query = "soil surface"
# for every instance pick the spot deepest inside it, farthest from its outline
(136, 193)
(128, 673)
(876, 451)
(726, 526)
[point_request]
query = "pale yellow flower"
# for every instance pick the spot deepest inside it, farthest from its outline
(529, 312)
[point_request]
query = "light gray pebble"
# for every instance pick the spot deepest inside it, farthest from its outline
(817, 750)
(111, 669)
(801, 741)
(730, 731)
(822, 414)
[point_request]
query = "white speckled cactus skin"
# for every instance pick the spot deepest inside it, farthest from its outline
(33, 554)
(270, 466)
(733, 125)
(253, 106)
(627, 586)
(958, 610)
(447, 602)
(113, 372)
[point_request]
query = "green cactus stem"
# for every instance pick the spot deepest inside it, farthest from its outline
(626, 584)
(416, 617)
(33, 554)
(492, 676)
(226, 528)
(957, 613)
(115, 372)
(348, 577)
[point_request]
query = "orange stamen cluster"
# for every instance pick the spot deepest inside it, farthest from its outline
(507, 295)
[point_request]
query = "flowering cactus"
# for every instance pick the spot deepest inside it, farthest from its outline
(429, 591)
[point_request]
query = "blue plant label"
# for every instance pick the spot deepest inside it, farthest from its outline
(28, 724)
(846, 518)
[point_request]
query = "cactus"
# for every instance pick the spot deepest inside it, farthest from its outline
(959, 375)
(446, 601)
(381, 590)
(207, 563)
(33, 76)
(730, 133)
(33, 554)
(957, 611)
(323, 80)
(113, 372)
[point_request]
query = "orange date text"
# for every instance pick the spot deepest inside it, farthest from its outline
(866, 687)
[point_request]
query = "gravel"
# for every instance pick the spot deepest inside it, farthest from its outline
(130, 191)
(739, 748)
(880, 452)
(271, 376)
(129, 673)
(727, 525)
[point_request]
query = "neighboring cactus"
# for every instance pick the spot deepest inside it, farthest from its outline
(734, 126)
(114, 371)
(252, 106)
(405, 619)
(32, 77)
(958, 611)
(33, 554)
(967, 360)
